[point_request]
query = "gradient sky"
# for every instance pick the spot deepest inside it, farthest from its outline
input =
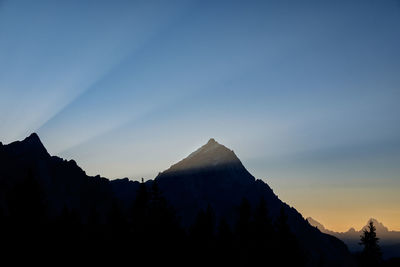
(305, 92)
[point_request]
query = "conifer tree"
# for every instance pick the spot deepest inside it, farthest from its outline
(263, 235)
(225, 244)
(244, 232)
(371, 254)
(289, 252)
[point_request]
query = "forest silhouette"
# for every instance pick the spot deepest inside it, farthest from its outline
(148, 232)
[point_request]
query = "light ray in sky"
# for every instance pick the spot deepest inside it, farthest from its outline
(305, 92)
(101, 43)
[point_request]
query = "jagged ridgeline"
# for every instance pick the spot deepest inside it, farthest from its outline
(205, 209)
(388, 240)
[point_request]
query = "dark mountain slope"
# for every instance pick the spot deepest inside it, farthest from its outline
(214, 175)
(62, 182)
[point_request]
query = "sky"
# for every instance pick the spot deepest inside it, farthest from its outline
(305, 92)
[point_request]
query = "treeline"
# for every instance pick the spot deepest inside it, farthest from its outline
(146, 232)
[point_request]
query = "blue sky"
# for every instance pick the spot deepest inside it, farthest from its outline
(305, 92)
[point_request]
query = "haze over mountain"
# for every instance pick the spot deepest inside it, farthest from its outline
(211, 176)
(389, 240)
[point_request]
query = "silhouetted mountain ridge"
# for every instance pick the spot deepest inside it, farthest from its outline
(212, 176)
(64, 183)
(31, 146)
(389, 240)
(209, 176)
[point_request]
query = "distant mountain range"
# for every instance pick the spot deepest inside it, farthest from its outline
(389, 240)
(211, 176)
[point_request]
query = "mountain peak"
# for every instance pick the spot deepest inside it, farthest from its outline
(378, 225)
(30, 145)
(211, 141)
(212, 154)
(33, 138)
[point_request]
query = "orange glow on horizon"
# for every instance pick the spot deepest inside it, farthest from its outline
(341, 208)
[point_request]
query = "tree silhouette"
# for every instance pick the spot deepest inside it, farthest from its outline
(243, 222)
(164, 233)
(371, 254)
(139, 212)
(142, 199)
(148, 231)
(244, 232)
(202, 236)
(225, 244)
(289, 252)
(26, 202)
(263, 233)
